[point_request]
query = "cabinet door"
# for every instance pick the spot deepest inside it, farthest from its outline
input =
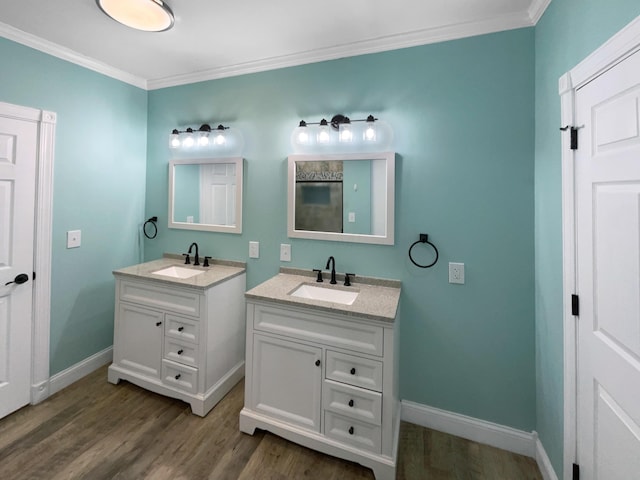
(287, 378)
(139, 340)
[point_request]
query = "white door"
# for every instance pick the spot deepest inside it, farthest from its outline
(608, 279)
(218, 194)
(18, 149)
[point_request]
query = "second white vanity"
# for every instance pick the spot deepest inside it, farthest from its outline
(322, 373)
(179, 329)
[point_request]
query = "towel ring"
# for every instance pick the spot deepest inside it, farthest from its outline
(152, 221)
(424, 238)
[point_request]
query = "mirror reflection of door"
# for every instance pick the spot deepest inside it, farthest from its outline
(218, 193)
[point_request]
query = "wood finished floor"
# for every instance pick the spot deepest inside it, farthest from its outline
(95, 430)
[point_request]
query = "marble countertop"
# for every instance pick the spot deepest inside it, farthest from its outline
(377, 298)
(218, 271)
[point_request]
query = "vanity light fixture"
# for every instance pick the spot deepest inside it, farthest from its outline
(206, 140)
(145, 15)
(342, 133)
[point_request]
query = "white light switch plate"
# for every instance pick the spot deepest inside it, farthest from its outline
(254, 249)
(285, 252)
(456, 273)
(74, 238)
(352, 217)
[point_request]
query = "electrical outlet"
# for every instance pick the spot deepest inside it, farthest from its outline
(285, 252)
(254, 249)
(456, 273)
(352, 217)
(74, 238)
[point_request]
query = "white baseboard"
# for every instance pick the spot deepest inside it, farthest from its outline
(544, 464)
(480, 431)
(74, 373)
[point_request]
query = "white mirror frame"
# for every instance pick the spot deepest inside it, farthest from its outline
(237, 228)
(386, 239)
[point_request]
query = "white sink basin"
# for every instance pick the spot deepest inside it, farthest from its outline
(315, 292)
(178, 272)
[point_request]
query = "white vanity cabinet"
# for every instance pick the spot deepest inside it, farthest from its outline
(325, 380)
(180, 341)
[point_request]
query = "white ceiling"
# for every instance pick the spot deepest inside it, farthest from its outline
(214, 39)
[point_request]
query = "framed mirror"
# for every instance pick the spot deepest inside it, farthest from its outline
(342, 197)
(206, 194)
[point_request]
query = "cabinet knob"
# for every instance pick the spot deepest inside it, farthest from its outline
(317, 363)
(180, 352)
(351, 430)
(353, 371)
(180, 329)
(158, 324)
(351, 403)
(177, 377)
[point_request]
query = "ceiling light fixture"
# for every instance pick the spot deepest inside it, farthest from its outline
(146, 15)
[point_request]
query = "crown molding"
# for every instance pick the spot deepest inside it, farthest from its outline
(37, 43)
(382, 44)
(537, 9)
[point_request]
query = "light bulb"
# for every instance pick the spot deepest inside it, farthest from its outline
(345, 134)
(174, 139)
(188, 141)
(219, 139)
(203, 139)
(323, 132)
(370, 133)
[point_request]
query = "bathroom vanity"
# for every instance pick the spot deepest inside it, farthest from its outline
(323, 373)
(179, 329)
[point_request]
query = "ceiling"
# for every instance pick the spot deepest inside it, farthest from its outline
(215, 39)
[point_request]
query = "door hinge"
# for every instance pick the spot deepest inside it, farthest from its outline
(575, 305)
(34, 275)
(576, 472)
(573, 131)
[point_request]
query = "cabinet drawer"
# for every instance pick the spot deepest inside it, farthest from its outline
(353, 370)
(328, 330)
(352, 402)
(169, 299)
(347, 430)
(181, 352)
(182, 329)
(180, 376)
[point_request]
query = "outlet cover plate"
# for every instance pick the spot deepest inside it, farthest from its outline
(74, 238)
(254, 249)
(456, 273)
(285, 252)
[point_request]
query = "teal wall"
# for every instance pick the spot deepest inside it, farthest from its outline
(99, 175)
(463, 115)
(568, 31)
(356, 201)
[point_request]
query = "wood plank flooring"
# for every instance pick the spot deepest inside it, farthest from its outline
(95, 430)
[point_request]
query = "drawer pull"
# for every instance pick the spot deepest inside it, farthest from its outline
(158, 324)
(317, 363)
(180, 352)
(351, 403)
(353, 371)
(180, 329)
(177, 377)
(351, 430)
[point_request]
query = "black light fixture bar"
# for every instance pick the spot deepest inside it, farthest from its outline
(337, 120)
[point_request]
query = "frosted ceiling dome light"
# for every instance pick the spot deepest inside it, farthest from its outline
(146, 15)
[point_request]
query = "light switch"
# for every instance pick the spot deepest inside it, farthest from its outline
(285, 252)
(254, 249)
(352, 217)
(74, 238)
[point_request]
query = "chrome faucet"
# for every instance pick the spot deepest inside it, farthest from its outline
(196, 260)
(332, 261)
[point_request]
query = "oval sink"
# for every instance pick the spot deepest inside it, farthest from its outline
(314, 292)
(178, 272)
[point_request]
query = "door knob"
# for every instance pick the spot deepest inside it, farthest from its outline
(19, 280)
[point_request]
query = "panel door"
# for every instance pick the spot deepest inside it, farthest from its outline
(18, 157)
(287, 379)
(139, 334)
(608, 261)
(218, 194)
